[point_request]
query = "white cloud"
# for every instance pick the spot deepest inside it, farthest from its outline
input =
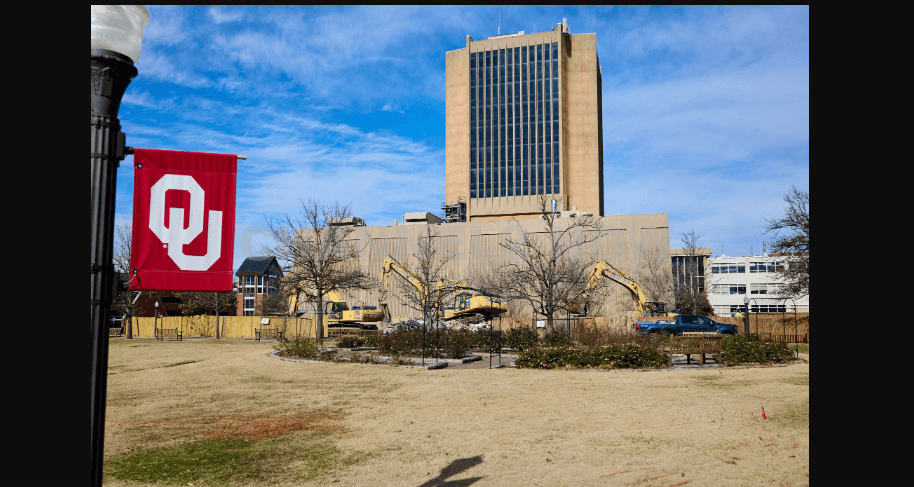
(221, 16)
(156, 64)
(706, 110)
(166, 27)
(391, 107)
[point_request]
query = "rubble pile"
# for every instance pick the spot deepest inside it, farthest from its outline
(464, 323)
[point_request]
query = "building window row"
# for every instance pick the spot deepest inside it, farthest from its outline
(728, 268)
(754, 268)
(764, 288)
(768, 308)
(689, 272)
(755, 308)
(758, 267)
(249, 303)
(514, 122)
(729, 289)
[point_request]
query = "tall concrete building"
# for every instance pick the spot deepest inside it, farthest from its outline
(524, 120)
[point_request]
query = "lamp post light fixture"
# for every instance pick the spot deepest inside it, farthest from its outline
(117, 35)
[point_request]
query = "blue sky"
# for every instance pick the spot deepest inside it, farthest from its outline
(705, 109)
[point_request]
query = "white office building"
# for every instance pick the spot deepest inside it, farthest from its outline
(731, 279)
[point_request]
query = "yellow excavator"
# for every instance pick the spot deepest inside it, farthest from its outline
(642, 305)
(341, 314)
(461, 302)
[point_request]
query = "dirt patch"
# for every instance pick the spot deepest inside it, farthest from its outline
(247, 427)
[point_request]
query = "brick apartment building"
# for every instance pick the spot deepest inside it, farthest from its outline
(257, 277)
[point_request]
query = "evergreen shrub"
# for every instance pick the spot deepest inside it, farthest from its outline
(521, 338)
(629, 356)
(752, 350)
(555, 339)
(298, 347)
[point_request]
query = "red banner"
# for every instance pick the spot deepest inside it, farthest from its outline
(183, 220)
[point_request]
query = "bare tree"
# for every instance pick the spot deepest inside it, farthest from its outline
(190, 304)
(427, 266)
(550, 270)
(654, 275)
(316, 253)
(126, 304)
(205, 303)
(795, 222)
(689, 277)
(276, 301)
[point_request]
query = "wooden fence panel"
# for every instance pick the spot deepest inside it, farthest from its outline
(230, 326)
(770, 322)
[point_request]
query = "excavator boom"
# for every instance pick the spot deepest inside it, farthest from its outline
(468, 302)
(643, 306)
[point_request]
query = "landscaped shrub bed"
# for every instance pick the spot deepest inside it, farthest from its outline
(297, 347)
(629, 356)
(411, 339)
(600, 350)
(521, 338)
(752, 350)
(486, 340)
(358, 341)
(555, 339)
(408, 339)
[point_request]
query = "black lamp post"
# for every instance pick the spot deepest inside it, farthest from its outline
(746, 314)
(117, 34)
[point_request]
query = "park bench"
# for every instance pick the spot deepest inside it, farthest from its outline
(700, 344)
(162, 333)
(115, 331)
(264, 333)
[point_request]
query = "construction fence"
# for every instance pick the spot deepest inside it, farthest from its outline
(771, 323)
(777, 326)
(229, 326)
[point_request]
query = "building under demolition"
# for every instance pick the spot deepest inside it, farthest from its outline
(523, 123)
(471, 248)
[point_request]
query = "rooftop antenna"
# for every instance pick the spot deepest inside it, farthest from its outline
(499, 23)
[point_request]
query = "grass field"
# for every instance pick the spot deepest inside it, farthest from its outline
(222, 412)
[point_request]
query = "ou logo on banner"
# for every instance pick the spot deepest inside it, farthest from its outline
(175, 236)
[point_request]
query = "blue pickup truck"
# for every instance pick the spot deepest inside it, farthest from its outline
(685, 323)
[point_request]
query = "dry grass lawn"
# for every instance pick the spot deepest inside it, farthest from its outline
(225, 413)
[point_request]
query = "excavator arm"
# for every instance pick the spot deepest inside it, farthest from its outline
(475, 303)
(642, 305)
(392, 266)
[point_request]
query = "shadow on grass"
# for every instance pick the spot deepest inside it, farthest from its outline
(455, 468)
